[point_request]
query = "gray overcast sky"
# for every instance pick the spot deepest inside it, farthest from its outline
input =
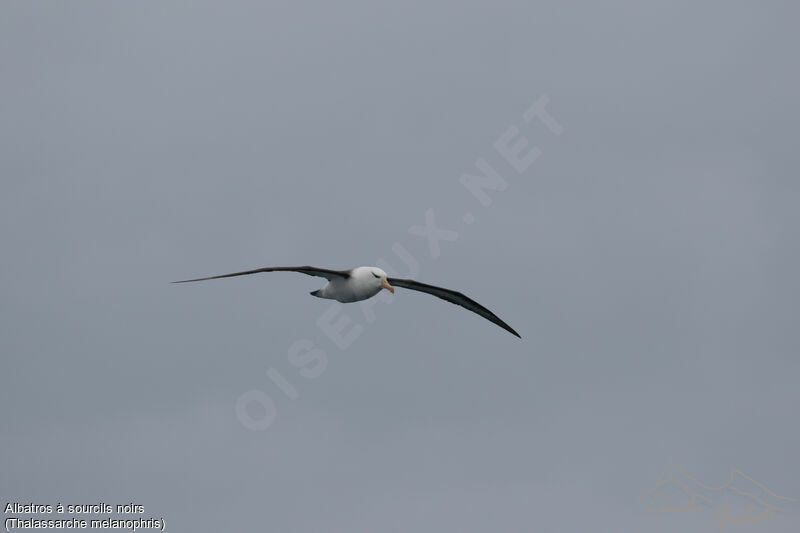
(649, 257)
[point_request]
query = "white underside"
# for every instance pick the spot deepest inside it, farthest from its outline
(359, 286)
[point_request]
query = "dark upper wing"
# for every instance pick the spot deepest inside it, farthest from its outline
(307, 270)
(453, 297)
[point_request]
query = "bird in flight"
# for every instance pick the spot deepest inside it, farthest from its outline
(365, 282)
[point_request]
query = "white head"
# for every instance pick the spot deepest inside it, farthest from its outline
(375, 276)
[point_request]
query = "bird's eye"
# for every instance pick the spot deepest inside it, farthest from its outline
(374, 274)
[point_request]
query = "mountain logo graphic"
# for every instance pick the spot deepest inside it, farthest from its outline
(740, 500)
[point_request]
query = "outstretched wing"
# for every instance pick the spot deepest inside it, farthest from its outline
(307, 270)
(454, 297)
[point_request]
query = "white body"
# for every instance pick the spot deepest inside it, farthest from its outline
(364, 282)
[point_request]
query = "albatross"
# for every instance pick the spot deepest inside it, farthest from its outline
(365, 282)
